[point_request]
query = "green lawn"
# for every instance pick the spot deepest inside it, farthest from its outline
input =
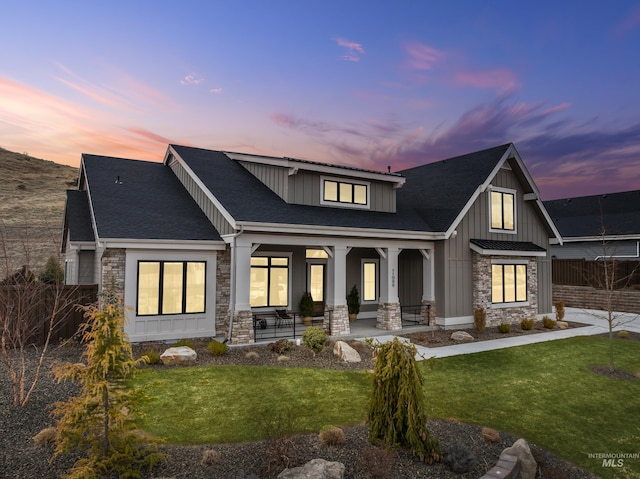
(543, 392)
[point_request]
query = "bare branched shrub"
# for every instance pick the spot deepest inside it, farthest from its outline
(375, 463)
(332, 436)
(490, 435)
(210, 457)
(46, 436)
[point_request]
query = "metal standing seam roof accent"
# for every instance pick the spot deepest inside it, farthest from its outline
(497, 245)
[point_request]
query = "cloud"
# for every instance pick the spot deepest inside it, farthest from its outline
(354, 50)
(191, 79)
(629, 23)
(503, 80)
(215, 90)
(421, 56)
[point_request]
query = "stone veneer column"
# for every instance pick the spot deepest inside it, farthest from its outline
(113, 271)
(338, 320)
(428, 312)
(389, 317)
(242, 332)
(223, 290)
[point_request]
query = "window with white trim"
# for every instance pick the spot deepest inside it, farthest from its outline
(503, 210)
(508, 283)
(269, 284)
(369, 280)
(171, 287)
(345, 193)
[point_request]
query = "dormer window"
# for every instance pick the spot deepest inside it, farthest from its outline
(344, 193)
(503, 211)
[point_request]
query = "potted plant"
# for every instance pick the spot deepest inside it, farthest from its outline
(306, 308)
(353, 303)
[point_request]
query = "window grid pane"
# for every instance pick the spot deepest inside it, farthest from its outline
(496, 210)
(507, 211)
(148, 287)
(278, 287)
(521, 282)
(346, 193)
(509, 283)
(330, 190)
(360, 194)
(172, 288)
(258, 287)
(369, 282)
(496, 284)
(316, 281)
(195, 294)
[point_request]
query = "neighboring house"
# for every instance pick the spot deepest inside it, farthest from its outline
(202, 242)
(598, 226)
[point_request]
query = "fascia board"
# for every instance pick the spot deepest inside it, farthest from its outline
(499, 252)
(94, 224)
(329, 169)
(130, 243)
(326, 240)
(227, 216)
(575, 239)
(328, 231)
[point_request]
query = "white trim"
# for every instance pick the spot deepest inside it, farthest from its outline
(575, 239)
(511, 305)
(169, 244)
(450, 323)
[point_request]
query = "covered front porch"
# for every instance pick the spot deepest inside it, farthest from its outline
(270, 273)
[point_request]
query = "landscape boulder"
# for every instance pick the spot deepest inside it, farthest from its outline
(461, 336)
(346, 352)
(181, 354)
(315, 469)
(562, 324)
(528, 465)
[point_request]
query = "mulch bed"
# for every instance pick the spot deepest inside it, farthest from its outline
(21, 458)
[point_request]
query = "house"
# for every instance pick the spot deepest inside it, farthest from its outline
(199, 244)
(598, 226)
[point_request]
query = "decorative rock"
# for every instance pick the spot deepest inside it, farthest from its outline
(181, 354)
(562, 324)
(461, 336)
(346, 352)
(315, 469)
(528, 465)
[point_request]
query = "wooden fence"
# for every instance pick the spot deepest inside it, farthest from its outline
(581, 272)
(39, 309)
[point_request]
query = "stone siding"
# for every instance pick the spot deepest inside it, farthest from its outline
(428, 312)
(482, 291)
(223, 290)
(113, 271)
(242, 331)
(625, 300)
(389, 317)
(338, 319)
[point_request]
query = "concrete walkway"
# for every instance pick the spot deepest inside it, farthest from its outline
(596, 321)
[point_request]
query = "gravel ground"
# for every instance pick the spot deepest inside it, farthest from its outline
(21, 458)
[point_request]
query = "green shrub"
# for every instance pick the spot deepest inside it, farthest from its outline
(217, 348)
(548, 323)
(314, 338)
(331, 436)
(504, 328)
(280, 346)
(527, 324)
(152, 356)
(479, 319)
(460, 459)
(183, 342)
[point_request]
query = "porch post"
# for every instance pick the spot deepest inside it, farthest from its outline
(242, 328)
(389, 316)
(336, 317)
(428, 310)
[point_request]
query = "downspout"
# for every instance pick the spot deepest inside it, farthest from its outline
(637, 255)
(232, 293)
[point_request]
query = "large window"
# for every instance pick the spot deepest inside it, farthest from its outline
(269, 281)
(508, 283)
(171, 287)
(334, 191)
(503, 211)
(369, 280)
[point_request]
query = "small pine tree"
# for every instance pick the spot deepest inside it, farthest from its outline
(396, 405)
(101, 421)
(53, 272)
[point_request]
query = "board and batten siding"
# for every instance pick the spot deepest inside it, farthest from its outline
(276, 178)
(201, 199)
(455, 274)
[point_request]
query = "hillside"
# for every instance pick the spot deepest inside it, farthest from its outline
(32, 195)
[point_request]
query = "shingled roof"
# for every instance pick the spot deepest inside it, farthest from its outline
(134, 199)
(589, 216)
(78, 217)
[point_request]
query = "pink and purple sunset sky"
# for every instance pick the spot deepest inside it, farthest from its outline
(361, 83)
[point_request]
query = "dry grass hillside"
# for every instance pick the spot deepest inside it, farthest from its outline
(32, 195)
